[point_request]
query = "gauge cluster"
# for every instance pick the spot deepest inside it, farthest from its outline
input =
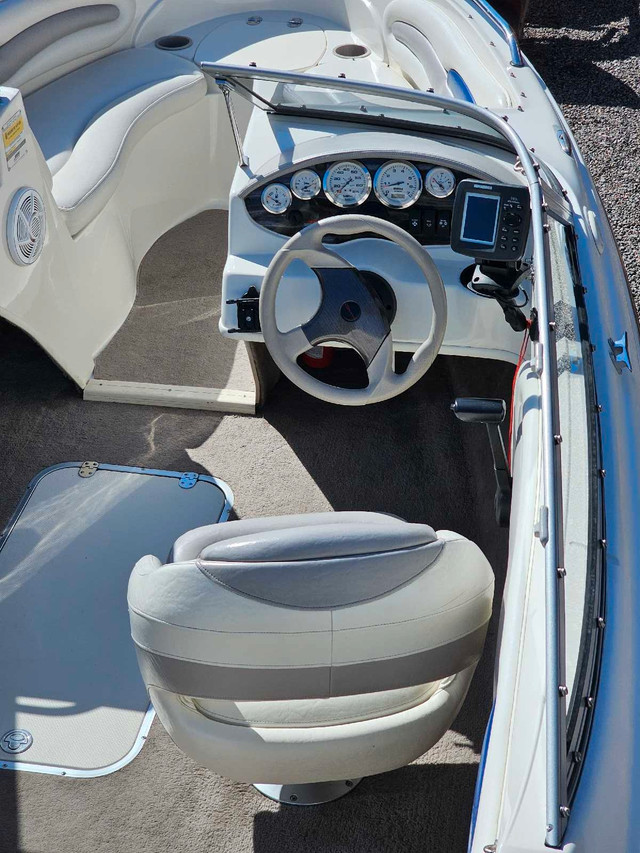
(416, 196)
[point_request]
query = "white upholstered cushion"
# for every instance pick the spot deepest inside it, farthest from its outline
(313, 753)
(411, 609)
(301, 713)
(255, 685)
(87, 121)
(428, 41)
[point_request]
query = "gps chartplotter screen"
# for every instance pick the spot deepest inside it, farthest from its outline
(480, 218)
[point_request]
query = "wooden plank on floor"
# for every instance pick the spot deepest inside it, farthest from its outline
(176, 396)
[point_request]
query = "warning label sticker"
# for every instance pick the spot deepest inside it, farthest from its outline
(14, 139)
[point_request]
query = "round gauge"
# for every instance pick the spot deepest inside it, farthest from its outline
(440, 182)
(397, 184)
(305, 184)
(276, 198)
(347, 184)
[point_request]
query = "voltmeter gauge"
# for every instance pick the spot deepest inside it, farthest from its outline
(276, 198)
(440, 182)
(305, 184)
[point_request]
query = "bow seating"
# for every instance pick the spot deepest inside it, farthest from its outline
(88, 121)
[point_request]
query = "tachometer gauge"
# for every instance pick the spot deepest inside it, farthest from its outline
(305, 184)
(347, 184)
(440, 182)
(397, 184)
(276, 198)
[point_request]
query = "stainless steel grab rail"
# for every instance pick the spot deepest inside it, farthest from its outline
(504, 27)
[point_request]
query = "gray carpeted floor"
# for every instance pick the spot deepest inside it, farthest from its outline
(167, 337)
(409, 456)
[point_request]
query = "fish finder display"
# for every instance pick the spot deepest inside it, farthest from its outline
(480, 218)
(490, 221)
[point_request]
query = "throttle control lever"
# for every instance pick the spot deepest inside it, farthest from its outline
(491, 413)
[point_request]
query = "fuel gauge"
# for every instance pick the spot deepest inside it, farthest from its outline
(276, 198)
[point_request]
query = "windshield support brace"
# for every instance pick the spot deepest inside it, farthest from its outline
(226, 90)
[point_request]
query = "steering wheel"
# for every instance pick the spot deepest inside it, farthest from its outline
(350, 312)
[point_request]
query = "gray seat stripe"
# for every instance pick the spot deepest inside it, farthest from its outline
(213, 681)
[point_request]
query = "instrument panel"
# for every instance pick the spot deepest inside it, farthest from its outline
(417, 196)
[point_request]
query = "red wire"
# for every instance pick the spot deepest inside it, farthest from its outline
(523, 349)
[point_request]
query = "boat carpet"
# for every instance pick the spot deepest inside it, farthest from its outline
(171, 334)
(72, 694)
(408, 456)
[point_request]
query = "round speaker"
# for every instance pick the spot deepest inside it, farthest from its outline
(26, 226)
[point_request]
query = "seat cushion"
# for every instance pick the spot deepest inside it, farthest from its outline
(310, 607)
(87, 121)
(332, 560)
(294, 754)
(302, 713)
(428, 41)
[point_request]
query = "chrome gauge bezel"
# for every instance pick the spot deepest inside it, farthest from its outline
(327, 177)
(378, 177)
(270, 187)
(438, 194)
(313, 176)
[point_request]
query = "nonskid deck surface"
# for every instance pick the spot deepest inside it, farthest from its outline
(409, 456)
(170, 337)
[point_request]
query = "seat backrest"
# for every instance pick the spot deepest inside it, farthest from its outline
(298, 607)
(42, 39)
(429, 40)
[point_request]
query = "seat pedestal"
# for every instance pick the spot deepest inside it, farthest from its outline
(309, 794)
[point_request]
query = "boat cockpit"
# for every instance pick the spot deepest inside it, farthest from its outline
(371, 228)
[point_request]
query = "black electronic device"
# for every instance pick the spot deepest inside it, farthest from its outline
(490, 221)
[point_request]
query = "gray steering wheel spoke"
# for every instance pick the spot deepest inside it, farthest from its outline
(295, 342)
(380, 369)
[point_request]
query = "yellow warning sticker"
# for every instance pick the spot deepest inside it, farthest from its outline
(14, 139)
(13, 131)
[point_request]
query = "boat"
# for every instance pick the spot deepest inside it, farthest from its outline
(319, 388)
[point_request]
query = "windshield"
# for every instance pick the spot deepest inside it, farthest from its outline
(312, 95)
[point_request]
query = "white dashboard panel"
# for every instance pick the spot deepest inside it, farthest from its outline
(476, 325)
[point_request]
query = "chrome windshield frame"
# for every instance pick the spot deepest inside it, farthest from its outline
(549, 527)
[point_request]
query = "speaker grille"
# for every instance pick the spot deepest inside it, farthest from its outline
(26, 226)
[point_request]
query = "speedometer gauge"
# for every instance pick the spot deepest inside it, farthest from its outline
(440, 182)
(276, 198)
(305, 184)
(347, 184)
(397, 184)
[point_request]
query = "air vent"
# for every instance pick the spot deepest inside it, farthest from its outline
(26, 225)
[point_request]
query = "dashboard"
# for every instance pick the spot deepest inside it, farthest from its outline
(415, 195)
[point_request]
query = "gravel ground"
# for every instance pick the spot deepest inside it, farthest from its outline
(588, 53)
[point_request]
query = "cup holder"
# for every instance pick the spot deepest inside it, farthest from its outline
(351, 51)
(173, 42)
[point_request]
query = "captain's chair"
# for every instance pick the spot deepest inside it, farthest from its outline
(308, 649)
